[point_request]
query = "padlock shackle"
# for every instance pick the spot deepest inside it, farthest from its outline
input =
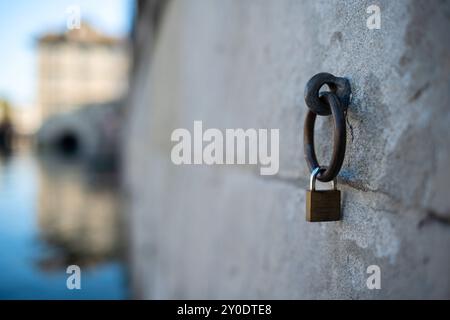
(312, 179)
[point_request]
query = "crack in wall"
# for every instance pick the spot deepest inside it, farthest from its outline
(431, 215)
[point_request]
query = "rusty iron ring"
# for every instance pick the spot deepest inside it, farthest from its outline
(339, 138)
(339, 86)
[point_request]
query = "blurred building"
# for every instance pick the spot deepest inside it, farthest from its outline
(80, 67)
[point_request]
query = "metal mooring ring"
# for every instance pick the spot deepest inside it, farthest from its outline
(339, 86)
(339, 138)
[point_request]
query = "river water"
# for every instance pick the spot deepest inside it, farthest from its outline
(55, 213)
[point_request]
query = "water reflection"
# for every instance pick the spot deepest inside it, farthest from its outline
(54, 213)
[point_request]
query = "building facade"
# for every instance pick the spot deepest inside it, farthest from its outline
(79, 67)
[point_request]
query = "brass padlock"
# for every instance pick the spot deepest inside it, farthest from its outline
(322, 205)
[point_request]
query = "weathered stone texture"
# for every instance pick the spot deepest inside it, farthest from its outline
(225, 231)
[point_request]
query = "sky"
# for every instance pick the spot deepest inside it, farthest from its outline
(22, 21)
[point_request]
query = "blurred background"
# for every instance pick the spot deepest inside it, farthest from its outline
(64, 75)
(91, 91)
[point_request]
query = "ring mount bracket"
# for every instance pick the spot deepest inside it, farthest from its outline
(339, 86)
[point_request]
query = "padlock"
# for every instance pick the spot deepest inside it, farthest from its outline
(322, 205)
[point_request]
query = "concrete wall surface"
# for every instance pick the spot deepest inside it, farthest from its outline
(226, 231)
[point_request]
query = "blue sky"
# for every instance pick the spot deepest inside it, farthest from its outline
(21, 21)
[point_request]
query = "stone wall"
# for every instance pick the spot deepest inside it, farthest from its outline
(226, 231)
